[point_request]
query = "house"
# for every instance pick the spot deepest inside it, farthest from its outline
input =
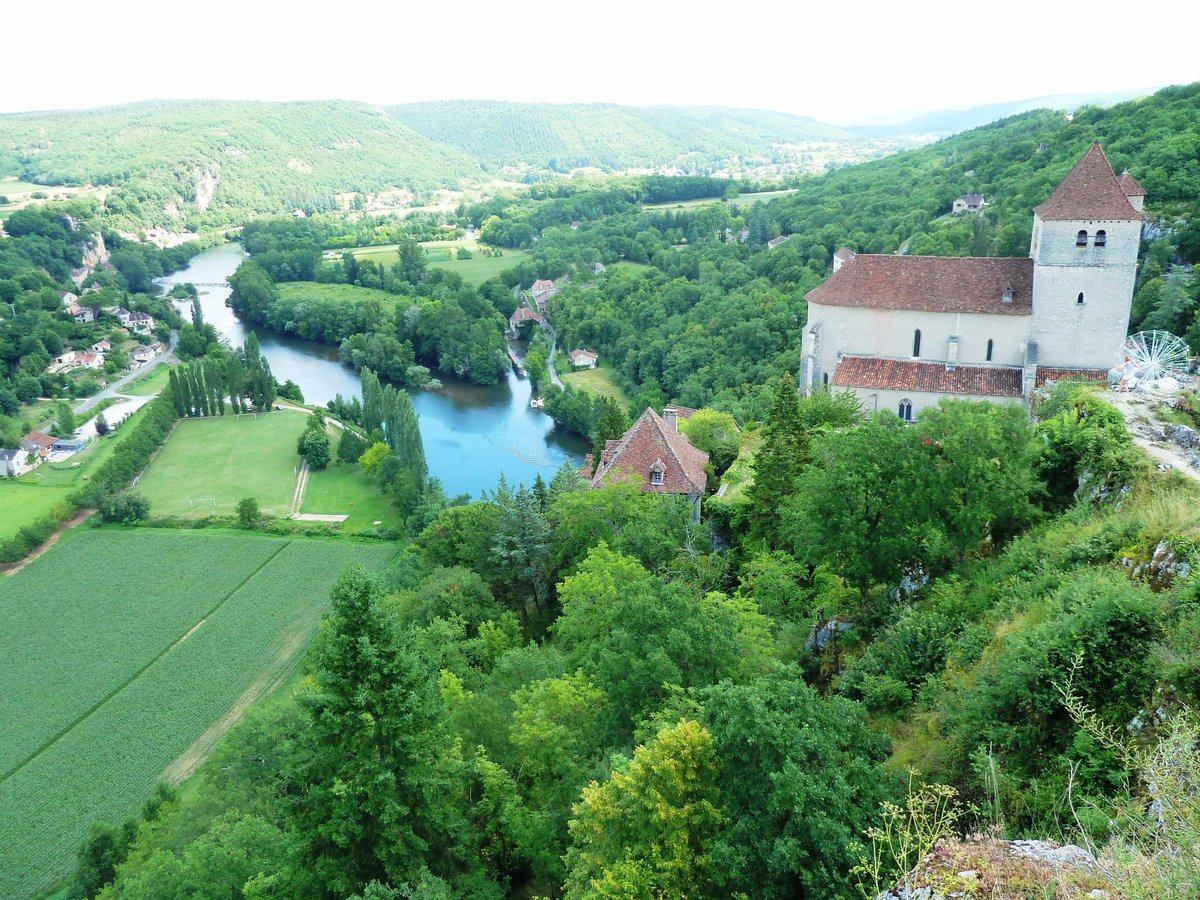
(744, 234)
(140, 323)
(68, 298)
(120, 314)
(583, 359)
(842, 256)
(82, 314)
(903, 332)
(776, 242)
(88, 360)
(143, 355)
(542, 289)
(598, 268)
(522, 315)
(101, 347)
(655, 452)
(36, 442)
(969, 203)
(14, 463)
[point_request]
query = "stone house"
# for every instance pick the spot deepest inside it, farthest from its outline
(653, 450)
(904, 331)
(972, 204)
(583, 359)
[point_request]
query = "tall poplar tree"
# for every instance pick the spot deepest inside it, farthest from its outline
(177, 398)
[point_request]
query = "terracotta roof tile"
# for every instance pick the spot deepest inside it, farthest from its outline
(930, 284)
(879, 373)
(1044, 375)
(39, 438)
(652, 441)
(1130, 186)
(1090, 191)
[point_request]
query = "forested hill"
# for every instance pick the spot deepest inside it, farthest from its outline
(215, 163)
(899, 202)
(566, 136)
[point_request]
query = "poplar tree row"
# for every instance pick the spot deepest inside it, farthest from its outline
(243, 376)
(389, 411)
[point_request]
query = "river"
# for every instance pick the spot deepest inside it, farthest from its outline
(473, 434)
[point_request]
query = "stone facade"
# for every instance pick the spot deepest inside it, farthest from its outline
(1065, 306)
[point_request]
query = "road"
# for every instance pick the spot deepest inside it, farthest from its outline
(115, 388)
(554, 379)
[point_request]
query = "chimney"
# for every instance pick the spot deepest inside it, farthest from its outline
(671, 414)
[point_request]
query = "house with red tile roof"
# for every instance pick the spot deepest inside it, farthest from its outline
(655, 453)
(903, 331)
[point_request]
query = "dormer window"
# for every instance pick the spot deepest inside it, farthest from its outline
(656, 472)
(1081, 239)
(1101, 239)
(1007, 295)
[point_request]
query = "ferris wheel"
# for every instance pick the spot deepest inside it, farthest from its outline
(1157, 354)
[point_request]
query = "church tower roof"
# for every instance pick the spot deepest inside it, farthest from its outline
(1092, 191)
(1130, 186)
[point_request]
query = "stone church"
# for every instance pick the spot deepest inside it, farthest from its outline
(903, 332)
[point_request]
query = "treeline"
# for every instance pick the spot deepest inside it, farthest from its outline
(243, 375)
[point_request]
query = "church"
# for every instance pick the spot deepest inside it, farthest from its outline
(903, 332)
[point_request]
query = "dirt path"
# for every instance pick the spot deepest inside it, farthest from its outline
(1139, 408)
(78, 519)
(266, 683)
(298, 493)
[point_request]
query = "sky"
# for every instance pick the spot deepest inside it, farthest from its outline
(838, 62)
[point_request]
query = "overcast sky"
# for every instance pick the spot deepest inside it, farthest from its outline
(836, 61)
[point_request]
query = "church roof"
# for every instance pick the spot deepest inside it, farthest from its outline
(649, 442)
(1090, 191)
(931, 284)
(1130, 186)
(878, 373)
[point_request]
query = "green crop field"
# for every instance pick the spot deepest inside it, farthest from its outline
(443, 255)
(346, 490)
(126, 654)
(208, 465)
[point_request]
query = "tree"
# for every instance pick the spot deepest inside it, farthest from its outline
(314, 449)
(716, 433)
(102, 427)
(64, 420)
(375, 789)
(248, 512)
(351, 446)
(648, 831)
(372, 458)
(178, 399)
(780, 459)
(864, 505)
(611, 424)
(801, 779)
(125, 508)
(410, 266)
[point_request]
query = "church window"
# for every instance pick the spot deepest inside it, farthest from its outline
(989, 350)
(1101, 239)
(917, 343)
(1081, 239)
(906, 410)
(1079, 299)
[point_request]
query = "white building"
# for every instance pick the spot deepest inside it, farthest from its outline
(905, 331)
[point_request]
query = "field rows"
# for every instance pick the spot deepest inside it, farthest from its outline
(245, 635)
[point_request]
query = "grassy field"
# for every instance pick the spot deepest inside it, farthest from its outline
(346, 490)
(126, 654)
(149, 384)
(226, 459)
(443, 255)
(594, 381)
(19, 193)
(746, 200)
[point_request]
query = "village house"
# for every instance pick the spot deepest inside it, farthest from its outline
(653, 450)
(141, 356)
(140, 323)
(541, 291)
(583, 359)
(81, 314)
(972, 204)
(776, 242)
(14, 463)
(842, 256)
(120, 314)
(101, 347)
(68, 298)
(37, 442)
(902, 332)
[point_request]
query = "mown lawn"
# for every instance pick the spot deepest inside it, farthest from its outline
(208, 465)
(346, 490)
(149, 384)
(597, 381)
(126, 653)
(443, 254)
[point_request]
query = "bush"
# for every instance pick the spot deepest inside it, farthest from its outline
(125, 508)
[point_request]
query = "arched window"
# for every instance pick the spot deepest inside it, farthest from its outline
(989, 352)
(1079, 299)
(906, 410)
(1081, 239)
(917, 342)
(1101, 239)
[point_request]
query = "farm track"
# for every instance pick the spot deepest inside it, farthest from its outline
(78, 519)
(54, 739)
